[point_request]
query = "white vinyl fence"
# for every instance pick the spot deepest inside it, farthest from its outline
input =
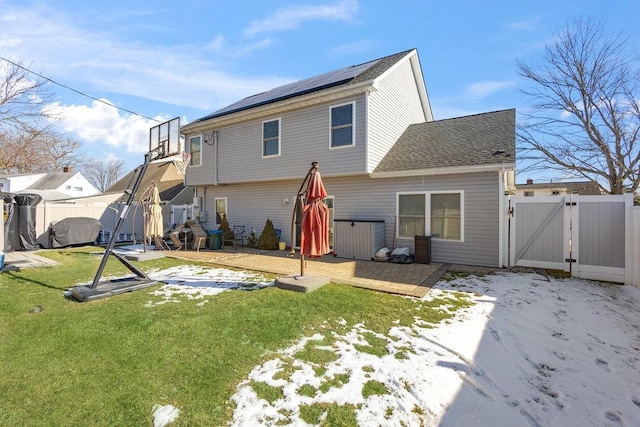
(593, 237)
(108, 214)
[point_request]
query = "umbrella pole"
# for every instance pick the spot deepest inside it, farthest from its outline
(314, 166)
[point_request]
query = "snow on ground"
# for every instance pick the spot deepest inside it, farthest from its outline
(196, 282)
(528, 352)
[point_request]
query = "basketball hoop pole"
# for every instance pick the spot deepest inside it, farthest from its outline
(121, 285)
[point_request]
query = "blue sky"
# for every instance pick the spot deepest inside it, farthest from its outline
(186, 59)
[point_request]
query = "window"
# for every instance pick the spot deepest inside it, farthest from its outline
(271, 138)
(529, 194)
(221, 210)
(195, 148)
(445, 216)
(444, 219)
(411, 215)
(342, 125)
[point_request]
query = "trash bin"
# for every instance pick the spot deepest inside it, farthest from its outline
(422, 250)
(214, 239)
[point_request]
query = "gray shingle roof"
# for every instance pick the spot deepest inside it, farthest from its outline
(52, 181)
(584, 188)
(477, 140)
(344, 76)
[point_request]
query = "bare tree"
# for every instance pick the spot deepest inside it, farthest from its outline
(28, 140)
(33, 151)
(103, 174)
(585, 115)
(23, 101)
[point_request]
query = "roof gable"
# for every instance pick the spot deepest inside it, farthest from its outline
(351, 75)
(477, 140)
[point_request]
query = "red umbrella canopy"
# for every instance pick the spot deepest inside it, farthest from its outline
(314, 238)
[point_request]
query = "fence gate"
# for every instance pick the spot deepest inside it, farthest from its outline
(581, 234)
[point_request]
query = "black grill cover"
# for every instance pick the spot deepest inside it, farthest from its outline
(73, 231)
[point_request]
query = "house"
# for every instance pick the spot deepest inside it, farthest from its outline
(51, 186)
(15, 183)
(392, 172)
(531, 189)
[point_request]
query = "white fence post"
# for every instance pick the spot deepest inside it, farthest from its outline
(634, 232)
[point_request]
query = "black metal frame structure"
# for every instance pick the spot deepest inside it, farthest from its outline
(106, 288)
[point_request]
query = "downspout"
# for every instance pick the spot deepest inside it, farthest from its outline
(501, 216)
(215, 154)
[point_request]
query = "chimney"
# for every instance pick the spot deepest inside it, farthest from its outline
(67, 169)
(529, 181)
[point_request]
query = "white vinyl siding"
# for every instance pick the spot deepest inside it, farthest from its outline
(195, 149)
(271, 138)
(304, 138)
(363, 198)
(343, 125)
(391, 109)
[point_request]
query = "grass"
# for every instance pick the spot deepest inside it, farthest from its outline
(108, 362)
(372, 388)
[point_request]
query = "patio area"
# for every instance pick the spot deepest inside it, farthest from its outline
(405, 279)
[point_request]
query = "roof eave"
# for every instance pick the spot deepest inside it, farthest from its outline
(443, 171)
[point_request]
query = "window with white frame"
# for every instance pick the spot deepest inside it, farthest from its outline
(221, 209)
(343, 125)
(271, 138)
(195, 149)
(439, 215)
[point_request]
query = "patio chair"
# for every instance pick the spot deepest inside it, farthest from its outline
(238, 234)
(229, 238)
(199, 235)
(174, 235)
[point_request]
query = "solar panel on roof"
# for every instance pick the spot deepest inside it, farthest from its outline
(312, 84)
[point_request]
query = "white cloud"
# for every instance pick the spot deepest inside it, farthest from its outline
(98, 62)
(102, 123)
(486, 88)
(291, 18)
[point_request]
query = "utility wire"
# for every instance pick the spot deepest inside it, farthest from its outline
(79, 92)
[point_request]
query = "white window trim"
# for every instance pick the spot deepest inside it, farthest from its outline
(279, 120)
(427, 212)
(201, 136)
(353, 126)
(215, 209)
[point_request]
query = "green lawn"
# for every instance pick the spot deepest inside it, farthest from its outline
(108, 362)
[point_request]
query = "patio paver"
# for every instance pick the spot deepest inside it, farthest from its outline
(405, 279)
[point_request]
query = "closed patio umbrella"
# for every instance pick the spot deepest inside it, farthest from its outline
(314, 231)
(155, 226)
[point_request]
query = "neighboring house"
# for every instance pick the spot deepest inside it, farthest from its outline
(583, 188)
(55, 185)
(382, 157)
(15, 183)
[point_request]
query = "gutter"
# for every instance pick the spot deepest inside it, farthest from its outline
(442, 171)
